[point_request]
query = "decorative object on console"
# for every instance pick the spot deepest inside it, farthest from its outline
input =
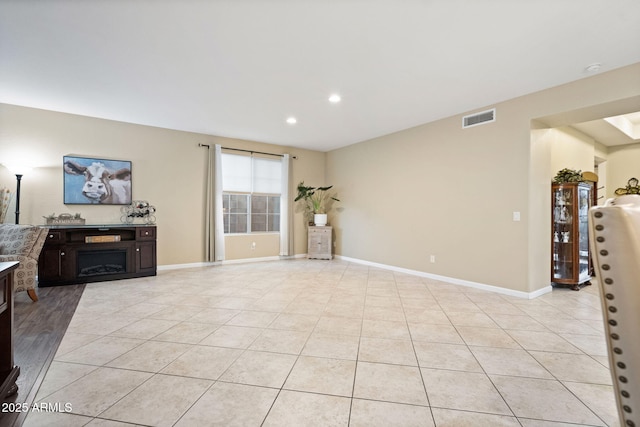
(64, 219)
(89, 181)
(316, 201)
(631, 188)
(23, 243)
(139, 209)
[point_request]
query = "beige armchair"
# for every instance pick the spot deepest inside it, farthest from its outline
(23, 243)
(615, 243)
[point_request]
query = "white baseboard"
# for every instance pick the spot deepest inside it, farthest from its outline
(286, 257)
(248, 260)
(189, 265)
(452, 280)
(541, 291)
(446, 279)
(227, 262)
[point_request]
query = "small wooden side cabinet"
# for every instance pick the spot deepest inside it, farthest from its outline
(8, 371)
(320, 242)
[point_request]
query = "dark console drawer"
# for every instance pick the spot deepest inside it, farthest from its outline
(55, 236)
(146, 233)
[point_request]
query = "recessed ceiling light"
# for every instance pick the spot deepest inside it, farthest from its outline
(335, 98)
(592, 68)
(292, 120)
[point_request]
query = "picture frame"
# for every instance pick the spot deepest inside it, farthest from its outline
(96, 181)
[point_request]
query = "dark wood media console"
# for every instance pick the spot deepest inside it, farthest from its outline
(95, 253)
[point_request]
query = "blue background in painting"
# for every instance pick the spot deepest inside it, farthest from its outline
(73, 183)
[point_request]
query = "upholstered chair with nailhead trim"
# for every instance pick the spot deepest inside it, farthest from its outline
(23, 243)
(614, 235)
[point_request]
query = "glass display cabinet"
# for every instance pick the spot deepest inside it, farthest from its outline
(570, 263)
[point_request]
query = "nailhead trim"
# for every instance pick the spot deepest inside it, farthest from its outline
(613, 322)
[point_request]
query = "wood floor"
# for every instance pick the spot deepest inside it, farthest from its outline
(38, 330)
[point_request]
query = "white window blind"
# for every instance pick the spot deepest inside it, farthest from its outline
(266, 176)
(236, 173)
(246, 174)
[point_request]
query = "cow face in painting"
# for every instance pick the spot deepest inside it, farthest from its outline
(102, 185)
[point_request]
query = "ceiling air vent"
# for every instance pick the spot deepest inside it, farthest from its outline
(479, 118)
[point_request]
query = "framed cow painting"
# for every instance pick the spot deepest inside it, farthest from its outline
(89, 181)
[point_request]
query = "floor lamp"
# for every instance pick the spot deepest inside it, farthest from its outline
(18, 179)
(19, 170)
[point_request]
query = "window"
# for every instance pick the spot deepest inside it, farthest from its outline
(251, 194)
(236, 210)
(265, 213)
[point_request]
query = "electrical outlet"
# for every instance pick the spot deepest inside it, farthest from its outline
(253, 246)
(516, 216)
(433, 258)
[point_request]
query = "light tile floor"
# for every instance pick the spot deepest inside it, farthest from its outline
(324, 343)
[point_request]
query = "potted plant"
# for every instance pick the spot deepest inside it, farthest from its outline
(568, 175)
(315, 199)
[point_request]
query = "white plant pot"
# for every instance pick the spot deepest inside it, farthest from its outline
(320, 220)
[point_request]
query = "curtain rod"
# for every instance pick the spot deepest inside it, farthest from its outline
(248, 151)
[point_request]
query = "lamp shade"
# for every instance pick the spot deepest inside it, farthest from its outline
(18, 168)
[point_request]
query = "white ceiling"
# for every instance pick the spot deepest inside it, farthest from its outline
(618, 130)
(239, 68)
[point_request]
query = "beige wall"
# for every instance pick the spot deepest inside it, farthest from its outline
(169, 170)
(440, 190)
(539, 231)
(552, 149)
(257, 245)
(571, 149)
(574, 150)
(623, 163)
(435, 189)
